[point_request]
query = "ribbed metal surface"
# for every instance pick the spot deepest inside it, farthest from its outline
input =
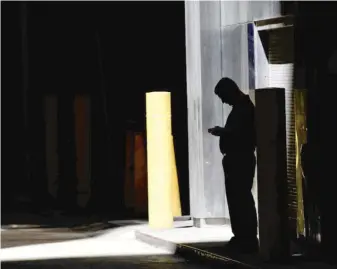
(281, 58)
(203, 67)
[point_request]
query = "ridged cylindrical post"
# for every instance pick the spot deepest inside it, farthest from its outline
(159, 159)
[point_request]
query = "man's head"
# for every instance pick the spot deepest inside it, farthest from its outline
(228, 91)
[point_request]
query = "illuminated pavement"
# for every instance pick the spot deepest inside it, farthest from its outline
(127, 245)
(116, 242)
(119, 241)
(113, 248)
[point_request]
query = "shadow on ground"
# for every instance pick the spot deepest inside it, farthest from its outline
(145, 262)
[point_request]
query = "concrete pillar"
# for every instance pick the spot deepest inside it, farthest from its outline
(272, 172)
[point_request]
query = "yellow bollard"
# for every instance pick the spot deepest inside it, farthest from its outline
(158, 128)
(176, 206)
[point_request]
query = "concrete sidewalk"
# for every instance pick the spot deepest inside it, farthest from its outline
(206, 245)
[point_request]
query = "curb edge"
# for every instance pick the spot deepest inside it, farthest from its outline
(191, 253)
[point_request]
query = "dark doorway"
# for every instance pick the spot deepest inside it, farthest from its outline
(113, 52)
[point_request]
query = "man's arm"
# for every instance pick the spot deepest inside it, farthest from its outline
(221, 131)
(224, 134)
(217, 131)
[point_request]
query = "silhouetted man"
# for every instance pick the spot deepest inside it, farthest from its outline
(237, 144)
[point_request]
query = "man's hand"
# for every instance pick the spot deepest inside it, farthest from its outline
(216, 131)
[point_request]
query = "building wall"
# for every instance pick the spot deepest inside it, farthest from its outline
(203, 54)
(236, 12)
(216, 46)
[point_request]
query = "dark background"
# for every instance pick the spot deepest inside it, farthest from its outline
(115, 51)
(142, 48)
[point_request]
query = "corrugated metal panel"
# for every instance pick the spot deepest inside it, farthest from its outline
(281, 59)
(203, 66)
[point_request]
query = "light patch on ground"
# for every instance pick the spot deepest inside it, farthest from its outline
(113, 243)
